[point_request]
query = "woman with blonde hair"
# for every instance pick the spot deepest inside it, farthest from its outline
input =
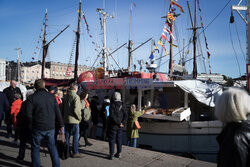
(233, 108)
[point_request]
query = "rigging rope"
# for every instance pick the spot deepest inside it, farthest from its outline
(236, 56)
(205, 38)
(177, 39)
(239, 41)
(70, 65)
(201, 53)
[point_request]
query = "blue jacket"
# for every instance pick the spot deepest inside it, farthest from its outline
(4, 104)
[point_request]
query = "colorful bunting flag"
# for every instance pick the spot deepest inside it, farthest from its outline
(176, 4)
(171, 16)
(160, 43)
(205, 38)
(168, 23)
(156, 48)
(169, 32)
(163, 35)
(134, 4)
(83, 15)
(208, 54)
(152, 56)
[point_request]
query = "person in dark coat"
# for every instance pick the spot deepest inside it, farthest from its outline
(4, 106)
(117, 120)
(42, 111)
(232, 108)
(25, 128)
(94, 115)
(9, 92)
(86, 117)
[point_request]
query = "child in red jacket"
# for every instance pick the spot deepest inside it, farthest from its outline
(15, 108)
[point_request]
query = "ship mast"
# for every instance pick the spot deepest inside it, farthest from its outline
(104, 57)
(194, 42)
(170, 66)
(77, 42)
(130, 58)
(45, 47)
(18, 64)
(194, 28)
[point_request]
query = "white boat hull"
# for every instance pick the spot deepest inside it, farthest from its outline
(180, 138)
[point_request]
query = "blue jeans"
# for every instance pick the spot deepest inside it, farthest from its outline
(37, 136)
(115, 136)
(72, 129)
(132, 142)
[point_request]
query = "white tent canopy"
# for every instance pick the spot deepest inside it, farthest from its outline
(204, 92)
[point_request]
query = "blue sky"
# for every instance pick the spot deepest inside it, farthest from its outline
(21, 25)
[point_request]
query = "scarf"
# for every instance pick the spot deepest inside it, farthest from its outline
(87, 103)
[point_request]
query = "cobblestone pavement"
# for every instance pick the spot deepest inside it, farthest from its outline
(96, 156)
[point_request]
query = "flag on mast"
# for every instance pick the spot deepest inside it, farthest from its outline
(176, 4)
(160, 43)
(156, 47)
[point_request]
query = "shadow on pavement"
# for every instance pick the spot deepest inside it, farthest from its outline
(11, 161)
(2, 163)
(93, 153)
(9, 144)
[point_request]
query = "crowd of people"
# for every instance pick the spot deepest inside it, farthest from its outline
(48, 113)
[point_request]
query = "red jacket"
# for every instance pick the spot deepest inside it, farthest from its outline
(59, 101)
(15, 108)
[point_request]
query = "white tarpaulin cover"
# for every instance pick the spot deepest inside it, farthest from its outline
(204, 92)
(23, 89)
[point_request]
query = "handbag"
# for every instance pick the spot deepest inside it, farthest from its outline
(62, 147)
(137, 125)
(84, 125)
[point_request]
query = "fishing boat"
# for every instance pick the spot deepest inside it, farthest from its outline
(180, 113)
